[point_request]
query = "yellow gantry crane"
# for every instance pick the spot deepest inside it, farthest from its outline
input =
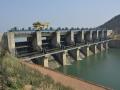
(40, 26)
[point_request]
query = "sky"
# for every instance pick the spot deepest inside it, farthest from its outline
(59, 13)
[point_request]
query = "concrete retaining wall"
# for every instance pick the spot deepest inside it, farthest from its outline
(114, 44)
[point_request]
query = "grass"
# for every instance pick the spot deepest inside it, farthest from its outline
(16, 76)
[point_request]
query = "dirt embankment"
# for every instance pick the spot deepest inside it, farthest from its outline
(66, 80)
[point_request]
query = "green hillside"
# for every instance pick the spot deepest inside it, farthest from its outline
(113, 24)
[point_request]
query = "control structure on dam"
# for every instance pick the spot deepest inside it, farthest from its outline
(60, 45)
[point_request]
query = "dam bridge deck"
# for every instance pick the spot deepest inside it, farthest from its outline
(37, 54)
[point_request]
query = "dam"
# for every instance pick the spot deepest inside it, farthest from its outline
(60, 45)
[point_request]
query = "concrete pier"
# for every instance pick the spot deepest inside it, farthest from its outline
(11, 42)
(105, 45)
(62, 57)
(37, 41)
(85, 51)
(81, 55)
(45, 60)
(75, 53)
(80, 36)
(93, 48)
(88, 36)
(70, 38)
(100, 47)
(95, 35)
(56, 39)
(103, 34)
(100, 35)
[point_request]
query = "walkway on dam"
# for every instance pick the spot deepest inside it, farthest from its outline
(32, 55)
(74, 83)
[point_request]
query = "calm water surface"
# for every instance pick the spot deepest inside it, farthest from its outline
(103, 68)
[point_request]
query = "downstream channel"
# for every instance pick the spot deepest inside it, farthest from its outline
(102, 68)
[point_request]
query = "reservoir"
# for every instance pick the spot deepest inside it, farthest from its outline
(102, 68)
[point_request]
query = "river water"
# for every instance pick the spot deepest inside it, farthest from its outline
(102, 68)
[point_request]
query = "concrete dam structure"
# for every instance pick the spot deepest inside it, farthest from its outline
(59, 45)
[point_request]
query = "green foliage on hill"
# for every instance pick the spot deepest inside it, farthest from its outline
(16, 76)
(113, 24)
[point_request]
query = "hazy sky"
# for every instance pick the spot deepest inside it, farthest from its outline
(82, 13)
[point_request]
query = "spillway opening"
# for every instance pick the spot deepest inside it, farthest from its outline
(23, 45)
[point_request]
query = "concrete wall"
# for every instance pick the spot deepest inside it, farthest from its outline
(69, 37)
(37, 41)
(56, 39)
(11, 42)
(114, 44)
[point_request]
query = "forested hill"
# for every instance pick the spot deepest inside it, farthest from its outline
(113, 24)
